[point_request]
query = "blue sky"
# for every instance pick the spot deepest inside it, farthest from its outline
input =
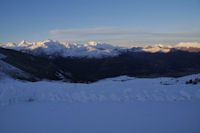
(119, 22)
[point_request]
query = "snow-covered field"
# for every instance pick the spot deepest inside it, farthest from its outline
(115, 105)
(120, 89)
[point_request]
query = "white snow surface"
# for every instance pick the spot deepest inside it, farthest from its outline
(119, 89)
(90, 50)
(115, 105)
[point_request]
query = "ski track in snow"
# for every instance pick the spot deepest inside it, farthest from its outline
(119, 89)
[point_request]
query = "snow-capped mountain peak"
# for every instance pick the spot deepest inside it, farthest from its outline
(93, 43)
(157, 48)
(189, 45)
(9, 44)
(65, 49)
(23, 42)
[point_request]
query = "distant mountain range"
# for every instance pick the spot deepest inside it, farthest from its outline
(90, 62)
(53, 48)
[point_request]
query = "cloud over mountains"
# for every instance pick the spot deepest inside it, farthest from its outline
(97, 31)
(113, 33)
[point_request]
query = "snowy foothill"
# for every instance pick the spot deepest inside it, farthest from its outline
(113, 105)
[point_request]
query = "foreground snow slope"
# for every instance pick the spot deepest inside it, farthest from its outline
(120, 89)
(115, 105)
(136, 117)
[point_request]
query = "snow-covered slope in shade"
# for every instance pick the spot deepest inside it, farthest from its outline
(119, 89)
(7, 69)
(116, 105)
(2, 56)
